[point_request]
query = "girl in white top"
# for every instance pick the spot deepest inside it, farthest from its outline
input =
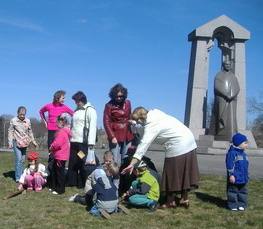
(179, 144)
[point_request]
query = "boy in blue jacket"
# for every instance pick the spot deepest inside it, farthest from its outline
(237, 173)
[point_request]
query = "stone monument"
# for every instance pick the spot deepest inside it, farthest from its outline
(231, 38)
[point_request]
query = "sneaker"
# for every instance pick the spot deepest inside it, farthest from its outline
(233, 209)
(72, 198)
(38, 189)
(152, 206)
(104, 214)
(55, 193)
(123, 209)
(241, 209)
(29, 189)
(50, 190)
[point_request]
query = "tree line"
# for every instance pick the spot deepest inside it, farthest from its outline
(40, 132)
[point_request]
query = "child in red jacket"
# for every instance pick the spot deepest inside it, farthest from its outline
(60, 149)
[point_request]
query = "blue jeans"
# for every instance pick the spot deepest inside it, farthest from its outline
(119, 151)
(20, 155)
(236, 195)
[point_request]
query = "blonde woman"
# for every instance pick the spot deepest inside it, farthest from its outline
(20, 135)
(180, 172)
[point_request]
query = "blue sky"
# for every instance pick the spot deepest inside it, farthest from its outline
(90, 45)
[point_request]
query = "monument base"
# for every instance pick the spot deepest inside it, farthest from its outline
(208, 145)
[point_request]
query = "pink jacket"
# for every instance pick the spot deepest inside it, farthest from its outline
(54, 110)
(60, 147)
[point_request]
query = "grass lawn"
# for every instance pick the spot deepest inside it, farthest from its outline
(44, 210)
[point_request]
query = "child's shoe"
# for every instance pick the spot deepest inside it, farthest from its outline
(55, 193)
(241, 209)
(72, 198)
(38, 189)
(123, 209)
(152, 206)
(233, 209)
(104, 214)
(29, 189)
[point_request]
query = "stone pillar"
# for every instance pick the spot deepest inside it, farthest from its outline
(240, 72)
(197, 87)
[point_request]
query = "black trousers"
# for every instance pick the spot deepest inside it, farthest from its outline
(50, 139)
(58, 176)
(76, 175)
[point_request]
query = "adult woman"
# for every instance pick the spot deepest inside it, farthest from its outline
(116, 115)
(20, 135)
(84, 116)
(54, 109)
(180, 172)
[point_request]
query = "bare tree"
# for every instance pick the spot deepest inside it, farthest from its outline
(255, 106)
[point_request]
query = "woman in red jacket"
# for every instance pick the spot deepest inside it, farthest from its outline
(116, 116)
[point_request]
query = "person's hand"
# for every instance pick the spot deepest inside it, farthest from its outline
(10, 146)
(114, 140)
(35, 144)
(128, 169)
(132, 122)
(232, 179)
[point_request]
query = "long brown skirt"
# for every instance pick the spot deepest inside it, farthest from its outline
(180, 173)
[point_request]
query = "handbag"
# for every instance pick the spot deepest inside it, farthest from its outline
(23, 142)
(85, 129)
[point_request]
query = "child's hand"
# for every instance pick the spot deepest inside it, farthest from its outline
(20, 187)
(232, 179)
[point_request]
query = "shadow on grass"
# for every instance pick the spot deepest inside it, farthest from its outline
(219, 202)
(10, 174)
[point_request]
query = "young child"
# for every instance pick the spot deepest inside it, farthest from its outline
(101, 188)
(60, 148)
(34, 176)
(144, 191)
(237, 173)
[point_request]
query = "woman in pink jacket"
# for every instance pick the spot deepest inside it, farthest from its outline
(54, 109)
(60, 149)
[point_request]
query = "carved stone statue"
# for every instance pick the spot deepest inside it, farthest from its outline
(226, 89)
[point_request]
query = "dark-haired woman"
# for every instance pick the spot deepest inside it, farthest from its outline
(116, 116)
(82, 159)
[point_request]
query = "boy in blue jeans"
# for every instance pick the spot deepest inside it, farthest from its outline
(237, 173)
(144, 191)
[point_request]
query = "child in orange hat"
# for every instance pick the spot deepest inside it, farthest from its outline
(34, 176)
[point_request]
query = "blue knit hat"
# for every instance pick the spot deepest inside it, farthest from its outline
(238, 139)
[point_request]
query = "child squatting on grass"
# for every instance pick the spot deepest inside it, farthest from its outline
(101, 191)
(237, 173)
(145, 190)
(34, 176)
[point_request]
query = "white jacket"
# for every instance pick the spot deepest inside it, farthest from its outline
(168, 131)
(27, 171)
(78, 124)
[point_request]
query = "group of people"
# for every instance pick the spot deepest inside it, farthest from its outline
(72, 138)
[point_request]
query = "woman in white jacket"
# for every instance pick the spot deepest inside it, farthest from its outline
(180, 172)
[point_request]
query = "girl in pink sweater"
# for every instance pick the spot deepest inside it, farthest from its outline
(60, 149)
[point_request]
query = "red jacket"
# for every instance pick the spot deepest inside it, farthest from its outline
(115, 120)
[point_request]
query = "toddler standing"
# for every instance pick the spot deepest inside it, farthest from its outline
(237, 173)
(60, 148)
